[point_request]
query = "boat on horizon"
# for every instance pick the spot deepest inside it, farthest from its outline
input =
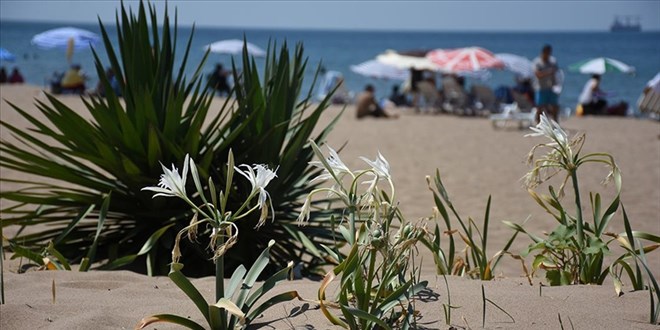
(626, 24)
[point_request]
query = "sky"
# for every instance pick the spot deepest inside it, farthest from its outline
(534, 15)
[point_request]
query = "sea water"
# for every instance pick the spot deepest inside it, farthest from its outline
(338, 50)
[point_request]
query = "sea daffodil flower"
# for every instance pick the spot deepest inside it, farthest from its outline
(172, 184)
(550, 129)
(259, 176)
(338, 168)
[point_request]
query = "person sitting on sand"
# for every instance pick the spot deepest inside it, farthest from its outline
(74, 80)
(592, 97)
(16, 77)
(398, 98)
(367, 105)
(114, 83)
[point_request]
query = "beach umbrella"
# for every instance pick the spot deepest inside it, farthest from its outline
(397, 60)
(234, 47)
(601, 65)
(376, 69)
(66, 38)
(5, 55)
(464, 59)
(517, 64)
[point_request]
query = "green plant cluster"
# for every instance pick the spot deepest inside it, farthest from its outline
(378, 279)
(73, 162)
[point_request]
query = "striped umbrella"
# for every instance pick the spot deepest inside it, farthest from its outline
(464, 59)
(379, 70)
(601, 65)
(5, 55)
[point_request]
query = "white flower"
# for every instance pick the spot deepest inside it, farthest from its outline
(172, 184)
(380, 166)
(550, 129)
(304, 212)
(380, 170)
(259, 176)
(338, 168)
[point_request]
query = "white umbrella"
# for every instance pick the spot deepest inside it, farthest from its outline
(66, 37)
(391, 57)
(601, 65)
(376, 69)
(234, 47)
(517, 64)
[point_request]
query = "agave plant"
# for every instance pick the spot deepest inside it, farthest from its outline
(72, 162)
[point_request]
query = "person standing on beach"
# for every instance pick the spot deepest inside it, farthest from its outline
(218, 80)
(545, 71)
(3, 75)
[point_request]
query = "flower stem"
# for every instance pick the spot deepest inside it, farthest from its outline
(578, 205)
(351, 223)
(220, 272)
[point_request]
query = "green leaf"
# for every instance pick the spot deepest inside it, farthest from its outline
(62, 260)
(20, 251)
(189, 289)
(366, 316)
(230, 307)
(169, 318)
(276, 299)
(235, 280)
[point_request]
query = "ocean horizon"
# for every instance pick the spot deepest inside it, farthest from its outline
(338, 49)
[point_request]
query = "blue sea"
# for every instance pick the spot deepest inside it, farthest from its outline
(338, 50)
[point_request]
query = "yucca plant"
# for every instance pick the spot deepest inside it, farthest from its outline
(72, 162)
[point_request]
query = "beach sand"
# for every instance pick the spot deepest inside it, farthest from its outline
(474, 160)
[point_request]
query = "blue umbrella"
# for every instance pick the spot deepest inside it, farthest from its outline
(5, 55)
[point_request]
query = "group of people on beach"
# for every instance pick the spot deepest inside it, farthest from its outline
(74, 81)
(14, 78)
(541, 92)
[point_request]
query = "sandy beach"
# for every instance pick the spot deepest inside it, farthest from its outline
(474, 160)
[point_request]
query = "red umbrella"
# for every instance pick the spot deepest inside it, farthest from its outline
(464, 59)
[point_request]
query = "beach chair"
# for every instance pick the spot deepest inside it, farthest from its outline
(429, 94)
(521, 111)
(483, 99)
(649, 103)
(455, 98)
(523, 102)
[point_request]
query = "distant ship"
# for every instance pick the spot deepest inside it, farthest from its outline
(626, 24)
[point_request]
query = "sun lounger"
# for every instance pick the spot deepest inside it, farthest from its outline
(649, 103)
(483, 99)
(429, 94)
(522, 112)
(455, 98)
